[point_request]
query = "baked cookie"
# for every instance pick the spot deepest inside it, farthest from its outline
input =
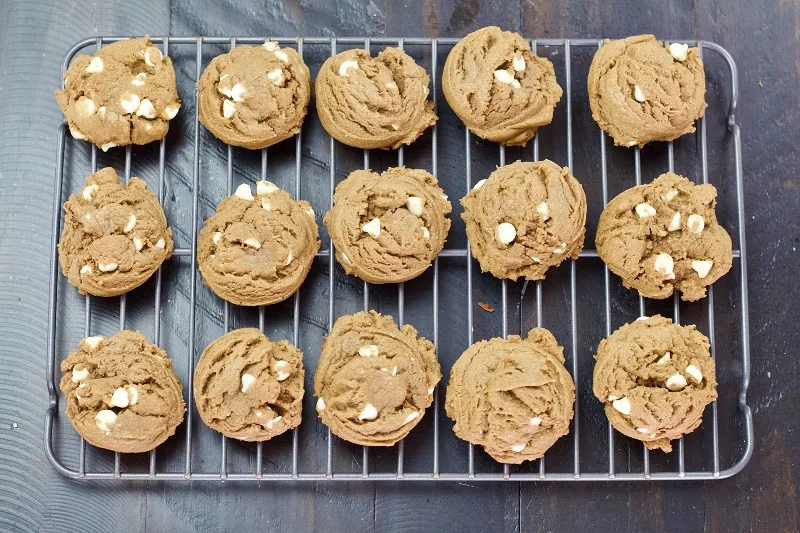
(513, 397)
(388, 227)
(641, 91)
(123, 94)
(373, 380)
(524, 218)
(374, 102)
(664, 236)
(655, 378)
(254, 96)
(498, 87)
(248, 387)
(257, 250)
(122, 393)
(115, 236)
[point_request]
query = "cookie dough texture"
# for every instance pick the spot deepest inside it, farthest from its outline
(639, 92)
(248, 387)
(525, 218)
(255, 96)
(115, 236)
(655, 378)
(374, 380)
(513, 397)
(122, 393)
(500, 89)
(123, 94)
(258, 249)
(374, 102)
(388, 227)
(664, 236)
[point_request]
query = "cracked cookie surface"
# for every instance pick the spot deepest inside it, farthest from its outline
(664, 236)
(115, 236)
(513, 397)
(248, 387)
(255, 96)
(388, 227)
(122, 392)
(123, 94)
(374, 380)
(655, 378)
(500, 89)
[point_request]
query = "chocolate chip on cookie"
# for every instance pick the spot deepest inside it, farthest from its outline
(498, 87)
(374, 102)
(123, 94)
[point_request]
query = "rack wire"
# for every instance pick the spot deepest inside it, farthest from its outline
(328, 471)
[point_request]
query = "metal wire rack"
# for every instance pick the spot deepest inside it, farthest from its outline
(575, 469)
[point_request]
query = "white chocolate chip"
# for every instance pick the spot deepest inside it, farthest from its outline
(131, 224)
(76, 133)
(560, 249)
(368, 351)
(345, 258)
(503, 76)
(282, 369)
(612, 397)
(89, 190)
(265, 187)
(678, 51)
(638, 94)
(344, 68)
(244, 192)
(373, 228)
(384, 369)
(664, 265)
(321, 404)
(152, 56)
(623, 405)
(282, 56)
(642, 318)
(259, 414)
(426, 233)
(414, 205)
(506, 233)
(107, 267)
(368, 413)
(133, 394)
(271, 423)
(478, 185)
(311, 213)
(289, 258)
(695, 223)
(129, 102)
(247, 381)
(391, 85)
(702, 267)
(139, 80)
(148, 127)
(252, 243)
(430, 390)
(146, 109)
(102, 111)
(93, 341)
(675, 223)
(645, 210)
(85, 106)
(171, 111)
(79, 374)
(86, 269)
(518, 448)
(694, 373)
(276, 77)
(676, 382)
(643, 430)
(535, 421)
(119, 398)
(237, 91)
(265, 204)
(664, 359)
(670, 195)
(226, 91)
(271, 46)
(105, 420)
(95, 65)
(631, 143)
(543, 210)
(106, 146)
(217, 237)
(160, 243)
(228, 108)
(394, 370)
(518, 63)
(413, 415)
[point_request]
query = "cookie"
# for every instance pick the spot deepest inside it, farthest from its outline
(642, 91)
(512, 396)
(374, 102)
(122, 393)
(525, 218)
(248, 387)
(501, 90)
(257, 250)
(388, 227)
(655, 378)
(374, 380)
(123, 94)
(115, 236)
(254, 96)
(664, 236)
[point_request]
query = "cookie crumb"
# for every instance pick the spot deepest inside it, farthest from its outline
(486, 307)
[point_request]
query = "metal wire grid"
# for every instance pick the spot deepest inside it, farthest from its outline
(400, 474)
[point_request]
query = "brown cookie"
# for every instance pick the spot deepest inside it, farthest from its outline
(499, 88)
(525, 218)
(663, 236)
(388, 227)
(379, 102)
(115, 236)
(254, 96)
(257, 250)
(123, 94)
(373, 380)
(655, 378)
(641, 91)
(122, 393)
(248, 387)
(513, 397)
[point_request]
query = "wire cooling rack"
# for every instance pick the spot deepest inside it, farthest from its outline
(577, 308)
